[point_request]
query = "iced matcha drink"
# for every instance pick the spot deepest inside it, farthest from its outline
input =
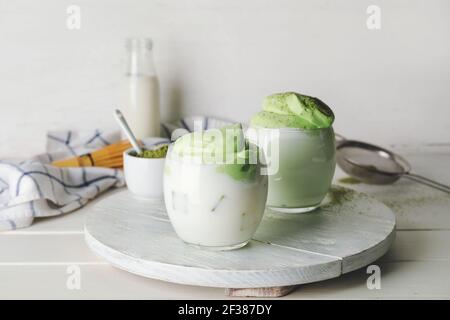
(304, 162)
(214, 192)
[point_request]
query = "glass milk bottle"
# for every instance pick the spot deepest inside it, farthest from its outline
(140, 103)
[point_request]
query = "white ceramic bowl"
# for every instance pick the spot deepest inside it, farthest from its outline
(144, 176)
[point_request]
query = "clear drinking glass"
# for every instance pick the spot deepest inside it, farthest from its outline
(301, 166)
(211, 207)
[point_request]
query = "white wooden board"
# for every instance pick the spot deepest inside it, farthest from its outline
(350, 231)
(416, 266)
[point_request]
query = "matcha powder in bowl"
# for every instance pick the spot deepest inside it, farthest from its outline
(153, 153)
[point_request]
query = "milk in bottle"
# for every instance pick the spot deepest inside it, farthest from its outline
(140, 104)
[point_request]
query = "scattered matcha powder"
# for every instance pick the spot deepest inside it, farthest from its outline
(349, 180)
(404, 205)
(339, 196)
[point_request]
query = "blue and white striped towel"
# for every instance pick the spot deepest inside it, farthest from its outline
(34, 188)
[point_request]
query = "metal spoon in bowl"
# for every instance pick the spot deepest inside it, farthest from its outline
(126, 129)
(375, 165)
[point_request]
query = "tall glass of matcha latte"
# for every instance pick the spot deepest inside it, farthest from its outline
(301, 159)
(214, 191)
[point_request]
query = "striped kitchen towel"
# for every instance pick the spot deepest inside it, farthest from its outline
(34, 188)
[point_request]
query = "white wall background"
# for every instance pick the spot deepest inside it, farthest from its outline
(222, 57)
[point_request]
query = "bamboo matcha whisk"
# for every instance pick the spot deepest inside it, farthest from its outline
(110, 156)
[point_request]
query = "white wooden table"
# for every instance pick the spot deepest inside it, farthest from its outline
(38, 262)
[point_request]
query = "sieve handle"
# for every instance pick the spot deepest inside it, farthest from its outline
(339, 138)
(428, 182)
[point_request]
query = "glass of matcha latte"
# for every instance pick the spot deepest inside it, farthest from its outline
(295, 132)
(214, 191)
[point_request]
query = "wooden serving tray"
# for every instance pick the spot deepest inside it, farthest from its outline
(348, 232)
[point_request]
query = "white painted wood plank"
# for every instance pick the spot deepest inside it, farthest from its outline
(136, 235)
(416, 206)
(432, 164)
(72, 222)
(54, 248)
(97, 282)
(399, 280)
(65, 248)
(248, 267)
(428, 246)
(420, 246)
(144, 226)
(353, 227)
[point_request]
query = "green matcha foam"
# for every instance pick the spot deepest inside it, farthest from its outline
(225, 147)
(211, 144)
(293, 110)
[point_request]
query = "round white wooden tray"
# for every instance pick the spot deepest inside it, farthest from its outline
(349, 231)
